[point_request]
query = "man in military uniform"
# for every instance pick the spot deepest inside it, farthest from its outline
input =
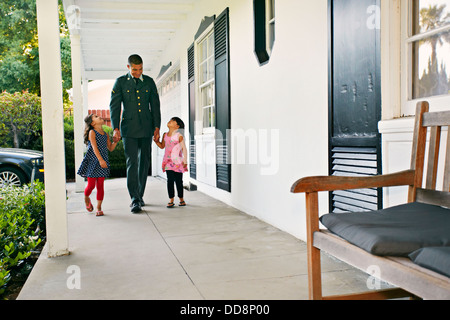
(139, 122)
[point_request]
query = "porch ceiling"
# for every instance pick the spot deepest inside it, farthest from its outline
(111, 30)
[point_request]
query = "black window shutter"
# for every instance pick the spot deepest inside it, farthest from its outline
(191, 89)
(259, 15)
(222, 83)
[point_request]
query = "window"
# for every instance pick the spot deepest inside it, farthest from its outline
(206, 81)
(169, 83)
(270, 25)
(209, 102)
(430, 45)
(425, 62)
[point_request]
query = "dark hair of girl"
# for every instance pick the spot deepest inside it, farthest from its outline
(88, 127)
(179, 122)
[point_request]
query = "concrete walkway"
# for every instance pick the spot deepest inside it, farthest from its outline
(204, 251)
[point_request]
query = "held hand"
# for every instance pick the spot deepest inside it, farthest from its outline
(156, 135)
(116, 136)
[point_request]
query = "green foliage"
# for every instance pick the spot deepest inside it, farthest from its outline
(68, 127)
(20, 119)
(66, 66)
(116, 158)
(4, 278)
(19, 64)
(22, 226)
(69, 147)
(19, 52)
(117, 162)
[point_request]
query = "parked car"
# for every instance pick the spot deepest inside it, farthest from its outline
(20, 166)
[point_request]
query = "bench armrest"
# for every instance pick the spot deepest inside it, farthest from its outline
(330, 183)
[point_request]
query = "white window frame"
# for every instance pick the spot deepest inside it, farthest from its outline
(200, 129)
(408, 108)
(168, 83)
(270, 25)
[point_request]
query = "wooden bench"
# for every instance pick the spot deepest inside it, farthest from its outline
(408, 278)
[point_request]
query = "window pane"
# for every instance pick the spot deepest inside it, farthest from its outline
(207, 96)
(203, 54)
(210, 95)
(210, 69)
(206, 123)
(206, 81)
(208, 117)
(203, 73)
(431, 60)
(430, 14)
(206, 67)
(270, 25)
(211, 44)
(431, 66)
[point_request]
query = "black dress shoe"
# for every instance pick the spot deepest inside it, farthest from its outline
(141, 203)
(136, 207)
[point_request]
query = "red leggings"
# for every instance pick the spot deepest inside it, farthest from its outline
(92, 182)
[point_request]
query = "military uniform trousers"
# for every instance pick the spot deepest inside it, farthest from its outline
(138, 155)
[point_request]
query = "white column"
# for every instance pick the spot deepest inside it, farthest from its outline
(391, 52)
(77, 108)
(52, 127)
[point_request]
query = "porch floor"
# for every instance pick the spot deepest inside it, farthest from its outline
(204, 251)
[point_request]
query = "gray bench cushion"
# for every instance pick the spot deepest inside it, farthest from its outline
(433, 258)
(395, 231)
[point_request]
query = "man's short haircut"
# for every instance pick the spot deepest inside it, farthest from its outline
(134, 59)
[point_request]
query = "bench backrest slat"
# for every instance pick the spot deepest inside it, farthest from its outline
(431, 119)
(433, 157)
(446, 185)
(434, 121)
(418, 149)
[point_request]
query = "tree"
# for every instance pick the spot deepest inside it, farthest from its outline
(19, 67)
(19, 52)
(431, 18)
(20, 119)
(434, 80)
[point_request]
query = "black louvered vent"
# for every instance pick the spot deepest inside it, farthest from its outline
(354, 161)
(192, 160)
(191, 66)
(222, 161)
(191, 92)
(220, 35)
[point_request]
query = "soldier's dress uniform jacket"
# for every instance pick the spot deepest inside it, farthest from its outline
(135, 109)
(141, 106)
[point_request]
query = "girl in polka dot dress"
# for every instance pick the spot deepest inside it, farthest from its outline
(95, 164)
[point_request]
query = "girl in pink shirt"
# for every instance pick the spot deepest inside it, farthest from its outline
(175, 159)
